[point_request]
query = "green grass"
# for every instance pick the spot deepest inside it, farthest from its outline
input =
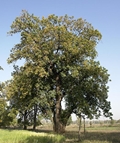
(21, 136)
(94, 134)
(104, 128)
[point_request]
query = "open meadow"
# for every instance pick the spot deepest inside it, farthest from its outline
(22, 136)
(44, 134)
(95, 134)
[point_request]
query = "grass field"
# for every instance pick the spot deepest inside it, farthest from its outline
(95, 134)
(21, 136)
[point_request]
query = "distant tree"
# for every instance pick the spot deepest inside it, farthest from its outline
(61, 52)
(81, 123)
(91, 123)
(69, 121)
(118, 121)
(112, 122)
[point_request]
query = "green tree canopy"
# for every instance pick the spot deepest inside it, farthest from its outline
(4, 110)
(61, 52)
(25, 94)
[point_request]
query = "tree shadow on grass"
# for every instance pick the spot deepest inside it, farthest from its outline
(41, 131)
(113, 137)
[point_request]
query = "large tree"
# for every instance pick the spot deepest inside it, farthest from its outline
(61, 51)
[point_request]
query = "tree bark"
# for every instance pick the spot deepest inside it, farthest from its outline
(84, 125)
(59, 118)
(59, 126)
(25, 121)
(79, 132)
(25, 127)
(35, 115)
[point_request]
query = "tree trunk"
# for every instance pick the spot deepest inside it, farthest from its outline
(25, 121)
(79, 132)
(24, 127)
(58, 125)
(84, 125)
(59, 119)
(35, 115)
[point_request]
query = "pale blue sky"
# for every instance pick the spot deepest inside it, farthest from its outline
(104, 15)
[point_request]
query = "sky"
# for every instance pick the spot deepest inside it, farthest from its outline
(104, 15)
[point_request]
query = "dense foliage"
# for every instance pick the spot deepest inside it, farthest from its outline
(59, 63)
